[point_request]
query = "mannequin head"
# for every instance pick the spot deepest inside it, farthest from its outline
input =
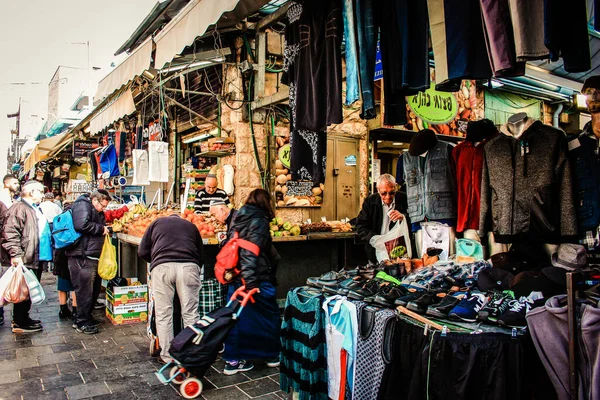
(422, 142)
(517, 123)
(478, 131)
(591, 89)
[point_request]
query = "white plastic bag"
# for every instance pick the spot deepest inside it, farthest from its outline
(4, 281)
(397, 236)
(36, 291)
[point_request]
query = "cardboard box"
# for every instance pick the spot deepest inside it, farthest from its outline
(127, 313)
(119, 295)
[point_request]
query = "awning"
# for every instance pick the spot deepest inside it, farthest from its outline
(32, 159)
(194, 20)
(123, 105)
(133, 66)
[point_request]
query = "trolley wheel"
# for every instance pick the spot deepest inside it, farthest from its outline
(191, 388)
(178, 380)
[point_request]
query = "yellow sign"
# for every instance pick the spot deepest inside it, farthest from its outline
(285, 155)
(433, 106)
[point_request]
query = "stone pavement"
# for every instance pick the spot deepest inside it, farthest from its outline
(60, 363)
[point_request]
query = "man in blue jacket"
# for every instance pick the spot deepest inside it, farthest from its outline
(88, 219)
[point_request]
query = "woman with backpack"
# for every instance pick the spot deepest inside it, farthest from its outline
(63, 281)
(256, 335)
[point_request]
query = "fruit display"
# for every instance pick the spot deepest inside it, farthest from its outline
(136, 224)
(280, 228)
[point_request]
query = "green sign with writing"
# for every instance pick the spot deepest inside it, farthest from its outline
(433, 106)
(285, 154)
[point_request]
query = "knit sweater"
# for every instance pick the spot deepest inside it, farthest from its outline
(526, 186)
(303, 365)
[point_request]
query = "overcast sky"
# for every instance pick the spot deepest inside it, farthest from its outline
(36, 37)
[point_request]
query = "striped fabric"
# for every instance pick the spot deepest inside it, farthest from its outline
(303, 351)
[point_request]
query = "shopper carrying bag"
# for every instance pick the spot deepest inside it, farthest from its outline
(107, 264)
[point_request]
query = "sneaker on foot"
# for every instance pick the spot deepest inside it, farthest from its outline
(233, 367)
(87, 329)
(274, 363)
(25, 328)
(468, 309)
(65, 314)
(98, 305)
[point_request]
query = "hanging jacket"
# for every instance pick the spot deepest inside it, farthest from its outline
(526, 186)
(20, 237)
(467, 159)
(585, 163)
(252, 224)
(91, 224)
(430, 184)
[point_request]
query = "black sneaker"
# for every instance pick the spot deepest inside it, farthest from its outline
(34, 321)
(388, 298)
(66, 314)
(515, 316)
(498, 305)
(25, 328)
(87, 329)
(98, 305)
(443, 308)
(232, 368)
(345, 286)
(420, 304)
(404, 300)
(367, 290)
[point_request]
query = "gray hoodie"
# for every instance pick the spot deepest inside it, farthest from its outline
(526, 186)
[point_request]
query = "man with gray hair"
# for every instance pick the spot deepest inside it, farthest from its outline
(21, 242)
(379, 212)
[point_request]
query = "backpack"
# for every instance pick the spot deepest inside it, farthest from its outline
(227, 260)
(63, 231)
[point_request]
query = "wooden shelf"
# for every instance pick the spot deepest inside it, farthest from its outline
(216, 154)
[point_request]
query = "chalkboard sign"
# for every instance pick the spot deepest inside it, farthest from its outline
(299, 188)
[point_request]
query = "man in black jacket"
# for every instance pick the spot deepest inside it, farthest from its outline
(21, 241)
(88, 219)
(173, 247)
(379, 212)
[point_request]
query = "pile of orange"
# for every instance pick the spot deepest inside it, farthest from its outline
(204, 228)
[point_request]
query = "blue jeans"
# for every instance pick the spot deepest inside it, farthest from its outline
(352, 86)
(367, 42)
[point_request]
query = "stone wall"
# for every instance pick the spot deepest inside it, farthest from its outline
(247, 177)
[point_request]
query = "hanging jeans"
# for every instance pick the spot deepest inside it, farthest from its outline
(352, 86)
(367, 43)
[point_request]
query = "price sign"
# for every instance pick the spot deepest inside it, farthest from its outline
(82, 147)
(81, 186)
(299, 188)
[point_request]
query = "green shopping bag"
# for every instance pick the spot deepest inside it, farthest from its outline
(107, 264)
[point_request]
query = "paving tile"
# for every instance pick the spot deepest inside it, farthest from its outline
(270, 396)
(66, 347)
(15, 344)
(157, 393)
(221, 380)
(106, 361)
(9, 377)
(139, 356)
(33, 387)
(61, 381)
(230, 393)
(55, 394)
(87, 390)
(33, 351)
(260, 371)
(259, 387)
(99, 375)
(151, 379)
(283, 395)
(18, 364)
(40, 341)
(39, 372)
(116, 396)
(135, 369)
(46, 359)
(8, 355)
(86, 354)
(76, 366)
(124, 384)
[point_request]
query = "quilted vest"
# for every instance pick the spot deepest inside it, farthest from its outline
(430, 184)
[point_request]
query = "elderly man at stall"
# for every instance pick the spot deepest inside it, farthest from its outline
(223, 213)
(379, 212)
(210, 193)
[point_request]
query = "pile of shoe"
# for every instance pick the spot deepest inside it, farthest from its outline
(444, 290)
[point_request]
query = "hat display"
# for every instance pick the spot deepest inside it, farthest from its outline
(570, 257)
(494, 278)
(422, 141)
